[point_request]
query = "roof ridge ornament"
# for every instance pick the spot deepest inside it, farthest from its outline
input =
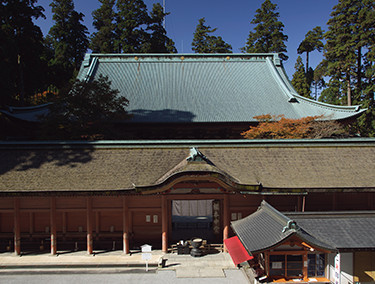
(195, 155)
(291, 225)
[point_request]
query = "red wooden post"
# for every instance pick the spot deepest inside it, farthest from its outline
(17, 227)
(53, 225)
(164, 218)
(226, 220)
(89, 226)
(125, 226)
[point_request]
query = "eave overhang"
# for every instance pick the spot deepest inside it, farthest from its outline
(227, 183)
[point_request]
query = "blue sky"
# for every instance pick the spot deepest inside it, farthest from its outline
(231, 18)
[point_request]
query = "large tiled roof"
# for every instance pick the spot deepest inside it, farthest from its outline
(344, 230)
(287, 165)
(205, 87)
(267, 228)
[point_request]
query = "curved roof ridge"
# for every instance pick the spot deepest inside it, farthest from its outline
(185, 165)
(291, 92)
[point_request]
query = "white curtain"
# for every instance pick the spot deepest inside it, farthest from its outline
(192, 207)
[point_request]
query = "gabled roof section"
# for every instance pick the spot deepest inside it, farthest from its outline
(267, 228)
(165, 88)
(356, 230)
(198, 167)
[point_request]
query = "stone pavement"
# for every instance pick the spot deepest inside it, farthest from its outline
(186, 266)
(77, 262)
(210, 265)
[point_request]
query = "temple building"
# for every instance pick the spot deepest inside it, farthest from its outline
(181, 169)
(197, 96)
(309, 247)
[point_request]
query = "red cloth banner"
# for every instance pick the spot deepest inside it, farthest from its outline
(236, 250)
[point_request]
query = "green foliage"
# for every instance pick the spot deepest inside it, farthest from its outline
(350, 33)
(333, 94)
(313, 41)
(349, 57)
(131, 22)
(204, 42)
(103, 41)
(68, 39)
(268, 36)
(85, 110)
(159, 42)
(20, 47)
(299, 80)
(126, 27)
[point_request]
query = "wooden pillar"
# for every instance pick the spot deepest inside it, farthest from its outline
(226, 219)
(304, 270)
(125, 226)
(164, 225)
(53, 225)
(17, 227)
(89, 225)
(299, 204)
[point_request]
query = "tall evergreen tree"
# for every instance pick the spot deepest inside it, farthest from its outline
(299, 80)
(204, 42)
(268, 35)
(21, 68)
(350, 41)
(68, 37)
(132, 20)
(103, 41)
(159, 42)
(346, 40)
(313, 41)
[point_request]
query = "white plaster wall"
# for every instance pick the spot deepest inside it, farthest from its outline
(346, 268)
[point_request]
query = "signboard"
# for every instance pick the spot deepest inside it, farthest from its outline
(337, 269)
(146, 254)
(146, 248)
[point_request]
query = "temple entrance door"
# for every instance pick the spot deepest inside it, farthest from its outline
(194, 218)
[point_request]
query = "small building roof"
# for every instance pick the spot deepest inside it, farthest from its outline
(30, 114)
(267, 228)
(343, 230)
(205, 88)
(264, 165)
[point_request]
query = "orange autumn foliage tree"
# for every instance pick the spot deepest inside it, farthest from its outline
(279, 127)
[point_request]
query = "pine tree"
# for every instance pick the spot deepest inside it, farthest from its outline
(159, 42)
(333, 94)
(268, 36)
(21, 67)
(204, 42)
(68, 38)
(299, 80)
(313, 41)
(218, 45)
(103, 41)
(347, 37)
(366, 123)
(131, 21)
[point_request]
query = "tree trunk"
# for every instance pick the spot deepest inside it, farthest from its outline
(307, 62)
(349, 91)
(359, 70)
